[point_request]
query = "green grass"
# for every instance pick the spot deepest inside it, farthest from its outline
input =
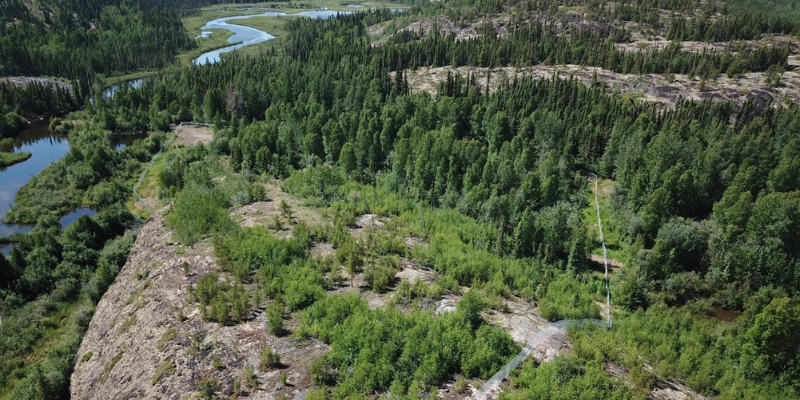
(170, 334)
(129, 321)
(275, 26)
(148, 189)
(272, 25)
(110, 366)
(8, 159)
(163, 369)
(87, 356)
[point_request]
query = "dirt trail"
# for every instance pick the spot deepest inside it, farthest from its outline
(545, 340)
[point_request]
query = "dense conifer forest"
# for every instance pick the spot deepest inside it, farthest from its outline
(702, 213)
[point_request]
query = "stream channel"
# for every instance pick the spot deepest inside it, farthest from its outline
(45, 147)
(247, 36)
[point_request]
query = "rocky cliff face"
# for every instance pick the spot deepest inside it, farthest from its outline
(147, 340)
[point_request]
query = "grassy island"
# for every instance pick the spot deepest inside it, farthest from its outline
(9, 159)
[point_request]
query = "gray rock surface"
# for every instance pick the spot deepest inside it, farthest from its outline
(148, 341)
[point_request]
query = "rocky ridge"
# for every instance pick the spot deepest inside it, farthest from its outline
(147, 339)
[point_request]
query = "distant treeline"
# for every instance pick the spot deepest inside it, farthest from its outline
(748, 26)
(539, 44)
(19, 103)
(696, 20)
(332, 103)
(531, 44)
(775, 8)
(190, 7)
(78, 39)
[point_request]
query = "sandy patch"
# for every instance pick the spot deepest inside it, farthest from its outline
(189, 135)
(262, 213)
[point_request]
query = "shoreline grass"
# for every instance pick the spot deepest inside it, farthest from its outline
(9, 159)
(113, 80)
(216, 40)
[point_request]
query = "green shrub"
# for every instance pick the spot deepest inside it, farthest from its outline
(163, 369)
(86, 356)
(275, 319)
(566, 378)
(250, 378)
(168, 335)
(567, 299)
(379, 277)
(208, 388)
(370, 349)
(269, 358)
(197, 211)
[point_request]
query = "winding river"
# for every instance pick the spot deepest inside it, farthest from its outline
(246, 36)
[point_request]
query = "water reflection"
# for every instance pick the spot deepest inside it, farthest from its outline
(131, 84)
(124, 140)
(67, 220)
(73, 216)
(45, 147)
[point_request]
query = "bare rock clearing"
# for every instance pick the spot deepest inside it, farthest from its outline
(190, 134)
(147, 340)
(664, 91)
(23, 81)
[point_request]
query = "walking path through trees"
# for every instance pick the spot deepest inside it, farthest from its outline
(155, 157)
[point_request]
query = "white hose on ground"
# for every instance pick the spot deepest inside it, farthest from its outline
(605, 256)
(491, 387)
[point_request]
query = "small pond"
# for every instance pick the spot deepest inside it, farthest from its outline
(66, 220)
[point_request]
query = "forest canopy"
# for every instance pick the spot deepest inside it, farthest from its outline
(701, 201)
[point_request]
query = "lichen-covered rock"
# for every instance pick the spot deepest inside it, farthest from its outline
(147, 338)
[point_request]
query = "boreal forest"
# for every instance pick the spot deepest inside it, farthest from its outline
(400, 200)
